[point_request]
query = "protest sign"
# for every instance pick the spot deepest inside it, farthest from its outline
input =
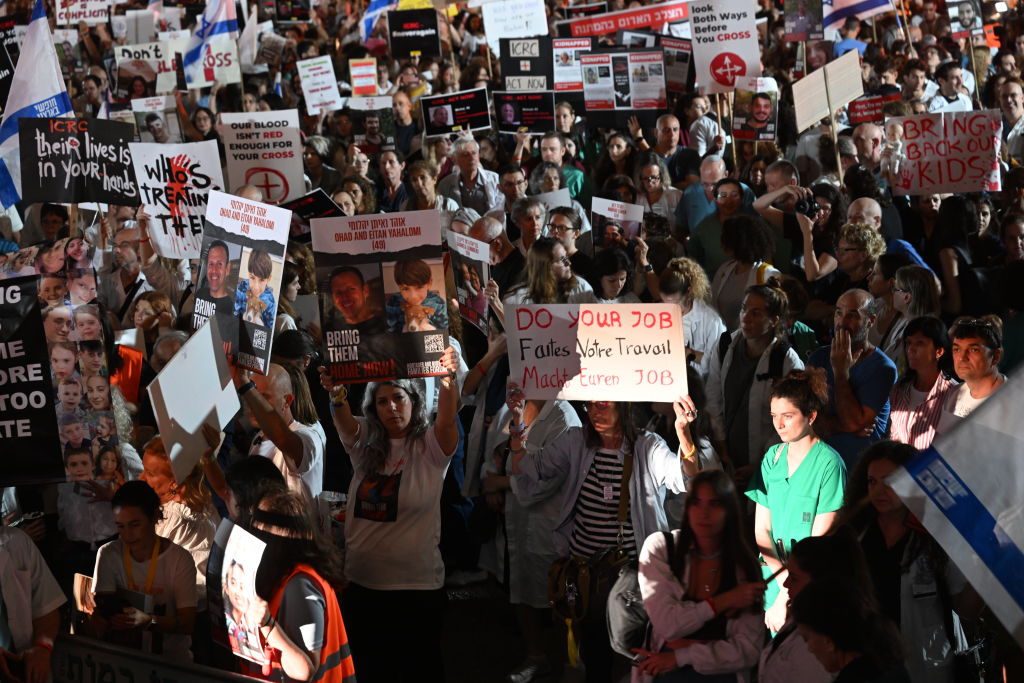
(383, 302)
(615, 223)
(368, 103)
(526, 63)
(869, 109)
(651, 16)
(457, 112)
(624, 80)
(182, 408)
(6, 74)
(633, 39)
(947, 152)
(576, 11)
(73, 12)
(964, 18)
(174, 181)
(525, 112)
(242, 556)
(363, 76)
(319, 85)
(554, 199)
(160, 58)
(725, 43)
(28, 426)
(965, 490)
(587, 352)
(270, 49)
(141, 25)
(413, 33)
(69, 161)
(292, 11)
(375, 130)
(803, 20)
(264, 149)
(567, 73)
(156, 119)
(219, 62)
(316, 204)
(756, 109)
(677, 63)
(834, 85)
(9, 29)
(513, 19)
(254, 235)
(471, 268)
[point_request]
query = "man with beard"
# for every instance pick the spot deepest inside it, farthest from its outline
(121, 279)
(760, 117)
(860, 377)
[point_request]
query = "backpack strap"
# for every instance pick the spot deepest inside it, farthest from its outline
(777, 359)
(670, 549)
(627, 473)
(723, 346)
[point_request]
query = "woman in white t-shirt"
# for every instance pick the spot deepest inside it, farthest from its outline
(144, 585)
(683, 282)
(393, 522)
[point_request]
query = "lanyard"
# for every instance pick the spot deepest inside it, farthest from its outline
(150, 573)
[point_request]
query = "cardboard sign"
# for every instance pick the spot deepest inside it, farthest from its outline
(651, 16)
(92, 12)
(159, 57)
(615, 224)
(254, 235)
(526, 63)
(947, 152)
(174, 181)
(382, 287)
(28, 426)
(869, 109)
(69, 161)
(413, 33)
(182, 408)
(597, 352)
(837, 83)
(316, 204)
(219, 63)
(363, 76)
(522, 112)
(803, 20)
(513, 19)
(156, 119)
(678, 53)
(555, 199)
(319, 85)
(756, 109)
(471, 268)
(725, 44)
(624, 80)
(242, 556)
(457, 112)
(264, 149)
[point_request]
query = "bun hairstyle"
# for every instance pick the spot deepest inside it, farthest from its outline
(685, 277)
(807, 389)
(775, 300)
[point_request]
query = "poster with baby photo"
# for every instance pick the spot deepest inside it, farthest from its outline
(471, 268)
(615, 224)
(382, 295)
(31, 452)
(242, 557)
(244, 301)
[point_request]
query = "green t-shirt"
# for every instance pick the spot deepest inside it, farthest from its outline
(815, 488)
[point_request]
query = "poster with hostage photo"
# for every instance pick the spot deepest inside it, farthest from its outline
(383, 299)
(376, 130)
(242, 557)
(244, 302)
(470, 266)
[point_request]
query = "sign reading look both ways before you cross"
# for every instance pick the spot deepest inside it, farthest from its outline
(621, 352)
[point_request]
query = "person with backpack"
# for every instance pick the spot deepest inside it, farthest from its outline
(744, 365)
(702, 589)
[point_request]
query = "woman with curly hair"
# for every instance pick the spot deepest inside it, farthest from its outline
(821, 230)
(301, 256)
(683, 282)
(858, 246)
(747, 242)
(799, 486)
(549, 278)
(362, 192)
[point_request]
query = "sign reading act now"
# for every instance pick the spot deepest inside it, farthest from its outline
(619, 352)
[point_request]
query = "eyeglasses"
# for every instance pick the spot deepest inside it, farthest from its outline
(652, 178)
(728, 195)
(514, 183)
(847, 250)
(555, 227)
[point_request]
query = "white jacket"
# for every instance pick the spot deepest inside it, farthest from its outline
(28, 588)
(761, 434)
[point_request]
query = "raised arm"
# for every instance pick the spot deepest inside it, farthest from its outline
(445, 429)
(344, 421)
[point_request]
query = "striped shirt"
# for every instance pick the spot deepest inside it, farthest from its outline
(916, 424)
(596, 524)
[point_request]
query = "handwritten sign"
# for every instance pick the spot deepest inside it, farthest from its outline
(319, 85)
(949, 152)
(513, 19)
(72, 12)
(631, 352)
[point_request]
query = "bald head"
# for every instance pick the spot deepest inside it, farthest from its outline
(865, 210)
(276, 388)
(712, 169)
(492, 231)
(250, 192)
(667, 128)
(867, 138)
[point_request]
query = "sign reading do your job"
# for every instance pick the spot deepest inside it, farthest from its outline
(622, 352)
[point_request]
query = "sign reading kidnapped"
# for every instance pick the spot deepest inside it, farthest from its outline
(69, 160)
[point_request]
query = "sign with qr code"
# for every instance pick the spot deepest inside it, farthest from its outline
(243, 300)
(384, 310)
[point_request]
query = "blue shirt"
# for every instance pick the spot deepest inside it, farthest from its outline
(847, 44)
(895, 246)
(871, 379)
(695, 207)
(267, 297)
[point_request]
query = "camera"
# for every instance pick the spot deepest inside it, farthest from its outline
(807, 207)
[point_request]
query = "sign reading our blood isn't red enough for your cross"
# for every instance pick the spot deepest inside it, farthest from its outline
(621, 352)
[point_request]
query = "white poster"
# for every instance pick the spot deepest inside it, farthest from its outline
(568, 76)
(624, 80)
(219, 63)
(513, 19)
(264, 149)
(724, 43)
(156, 119)
(242, 556)
(319, 85)
(615, 224)
(181, 408)
(586, 352)
(92, 12)
(174, 182)
(160, 57)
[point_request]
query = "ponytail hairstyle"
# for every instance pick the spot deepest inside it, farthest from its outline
(775, 301)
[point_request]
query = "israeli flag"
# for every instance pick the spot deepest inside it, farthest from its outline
(219, 19)
(37, 91)
(968, 491)
(834, 12)
(373, 11)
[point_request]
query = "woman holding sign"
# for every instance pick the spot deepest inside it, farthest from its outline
(613, 480)
(393, 522)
